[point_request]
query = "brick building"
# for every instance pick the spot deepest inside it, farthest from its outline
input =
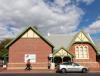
(31, 45)
(84, 50)
(79, 48)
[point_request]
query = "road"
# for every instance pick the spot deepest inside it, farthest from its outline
(52, 74)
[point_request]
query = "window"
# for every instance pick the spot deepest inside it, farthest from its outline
(81, 52)
(67, 63)
(75, 64)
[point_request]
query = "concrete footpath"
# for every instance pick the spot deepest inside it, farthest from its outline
(2, 71)
(26, 71)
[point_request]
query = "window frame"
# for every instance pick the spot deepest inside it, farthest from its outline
(77, 52)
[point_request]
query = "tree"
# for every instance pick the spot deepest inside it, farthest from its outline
(3, 50)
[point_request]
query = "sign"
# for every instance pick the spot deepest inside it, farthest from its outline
(32, 58)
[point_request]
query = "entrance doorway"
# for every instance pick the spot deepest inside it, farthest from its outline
(57, 59)
(66, 59)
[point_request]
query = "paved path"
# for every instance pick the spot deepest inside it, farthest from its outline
(51, 74)
(2, 71)
(23, 71)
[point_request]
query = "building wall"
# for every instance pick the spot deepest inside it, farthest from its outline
(29, 46)
(91, 61)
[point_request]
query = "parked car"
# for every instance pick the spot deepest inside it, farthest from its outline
(71, 67)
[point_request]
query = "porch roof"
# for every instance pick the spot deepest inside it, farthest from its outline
(62, 52)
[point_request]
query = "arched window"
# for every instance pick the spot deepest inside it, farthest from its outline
(81, 52)
(85, 52)
(77, 51)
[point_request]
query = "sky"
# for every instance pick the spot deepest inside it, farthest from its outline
(64, 17)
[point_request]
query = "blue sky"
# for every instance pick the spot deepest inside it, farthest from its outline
(92, 14)
(67, 16)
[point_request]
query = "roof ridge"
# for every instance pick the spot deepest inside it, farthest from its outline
(26, 29)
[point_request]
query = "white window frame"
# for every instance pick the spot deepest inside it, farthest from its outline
(77, 50)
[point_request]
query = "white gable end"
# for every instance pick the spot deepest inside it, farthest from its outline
(81, 37)
(61, 52)
(30, 34)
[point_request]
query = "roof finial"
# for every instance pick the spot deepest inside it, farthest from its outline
(48, 34)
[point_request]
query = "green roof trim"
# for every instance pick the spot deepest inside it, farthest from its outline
(20, 35)
(63, 49)
(88, 37)
(98, 51)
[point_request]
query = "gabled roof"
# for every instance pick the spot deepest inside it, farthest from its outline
(59, 40)
(20, 35)
(81, 40)
(67, 40)
(87, 36)
(64, 50)
(97, 43)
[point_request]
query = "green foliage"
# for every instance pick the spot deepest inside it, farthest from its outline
(3, 50)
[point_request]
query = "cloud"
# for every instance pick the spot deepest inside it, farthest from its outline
(98, 17)
(58, 16)
(94, 27)
(87, 2)
(48, 16)
(62, 3)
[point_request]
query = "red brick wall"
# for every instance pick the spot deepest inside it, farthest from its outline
(29, 46)
(92, 53)
(91, 63)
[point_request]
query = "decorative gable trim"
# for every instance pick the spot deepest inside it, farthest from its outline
(20, 35)
(63, 49)
(87, 36)
(30, 34)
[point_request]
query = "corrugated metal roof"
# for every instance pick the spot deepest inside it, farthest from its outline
(97, 43)
(60, 40)
(64, 41)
